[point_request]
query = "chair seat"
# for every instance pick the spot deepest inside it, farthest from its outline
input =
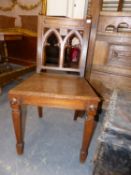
(56, 86)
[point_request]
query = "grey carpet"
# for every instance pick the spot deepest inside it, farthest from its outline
(52, 143)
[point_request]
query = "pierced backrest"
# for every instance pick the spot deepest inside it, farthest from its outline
(62, 44)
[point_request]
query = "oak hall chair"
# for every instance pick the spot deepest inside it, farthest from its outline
(62, 90)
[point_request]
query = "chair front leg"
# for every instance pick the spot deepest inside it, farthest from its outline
(89, 126)
(40, 112)
(17, 122)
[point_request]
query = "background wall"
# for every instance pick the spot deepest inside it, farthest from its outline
(15, 8)
(69, 8)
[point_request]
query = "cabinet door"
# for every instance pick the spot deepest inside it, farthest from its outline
(68, 8)
(79, 9)
(57, 7)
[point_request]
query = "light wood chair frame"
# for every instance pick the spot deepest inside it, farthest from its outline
(78, 96)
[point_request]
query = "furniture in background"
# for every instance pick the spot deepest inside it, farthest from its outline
(112, 66)
(114, 142)
(14, 62)
(60, 89)
(72, 9)
(111, 57)
(26, 38)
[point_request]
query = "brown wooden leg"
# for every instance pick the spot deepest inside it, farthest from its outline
(89, 126)
(40, 112)
(0, 90)
(78, 114)
(17, 122)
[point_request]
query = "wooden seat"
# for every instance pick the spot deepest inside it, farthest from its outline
(61, 90)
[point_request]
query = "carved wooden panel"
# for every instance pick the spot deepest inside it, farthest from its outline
(119, 55)
(113, 22)
(64, 42)
(71, 42)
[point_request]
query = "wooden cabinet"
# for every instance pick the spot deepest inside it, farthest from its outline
(112, 55)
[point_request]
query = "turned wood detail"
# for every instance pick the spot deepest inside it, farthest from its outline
(89, 126)
(17, 122)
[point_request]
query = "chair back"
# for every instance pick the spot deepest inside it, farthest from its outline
(62, 44)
